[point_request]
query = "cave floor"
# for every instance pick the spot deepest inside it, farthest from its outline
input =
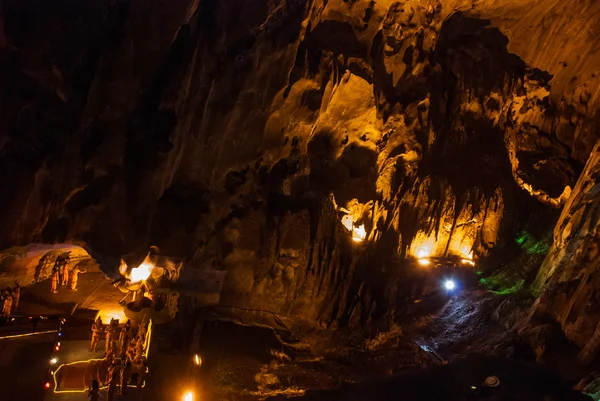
(242, 364)
(24, 365)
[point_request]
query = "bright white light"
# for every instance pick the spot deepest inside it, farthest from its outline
(424, 251)
(424, 262)
(359, 233)
(189, 396)
(197, 360)
(142, 272)
(53, 361)
(348, 222)
(449, 285)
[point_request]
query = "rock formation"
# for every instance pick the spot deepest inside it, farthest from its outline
(261, 136)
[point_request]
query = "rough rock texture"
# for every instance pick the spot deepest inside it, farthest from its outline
(238, 134)
(569, 275)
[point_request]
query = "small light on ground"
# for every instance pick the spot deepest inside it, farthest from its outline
(189, 396)
(450, 285)
(492, 381)
(47, 385)
(53, 361)
(424, 262)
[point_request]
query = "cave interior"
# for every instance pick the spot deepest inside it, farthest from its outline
(411, 188)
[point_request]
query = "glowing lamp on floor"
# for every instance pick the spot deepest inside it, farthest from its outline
(449, 285)
(189, 396)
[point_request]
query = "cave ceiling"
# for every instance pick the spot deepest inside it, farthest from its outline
(297, 143)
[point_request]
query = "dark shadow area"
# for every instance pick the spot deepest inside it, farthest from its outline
(336, 36)
(460, 380)
(233, 354)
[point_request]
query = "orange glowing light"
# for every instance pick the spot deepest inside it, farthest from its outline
(467, 262)
(108, 315)
(189, 396)
(424, 262)
(140, 273)
(123, 268)
(47, 385)
(28, 334)
(197, 360)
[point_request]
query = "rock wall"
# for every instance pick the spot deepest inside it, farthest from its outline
(255, 136)
(568, 280)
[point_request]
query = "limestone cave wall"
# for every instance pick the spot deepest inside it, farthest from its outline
(241, 134)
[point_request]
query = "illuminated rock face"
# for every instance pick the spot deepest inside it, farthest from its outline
(303, 150)
(569, 277)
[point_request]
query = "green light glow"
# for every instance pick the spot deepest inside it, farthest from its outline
(532, 246)
(511, 290)
(502, 285)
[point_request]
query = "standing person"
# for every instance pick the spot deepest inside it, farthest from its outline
(8, 301)
(94, 390)
(2, 300)
(125, 374)
(112, 379)
(97, 328)
(62, 274)
(54, 280)
(110, 338)
(65, 267)
(75, 277)
(58, 263)
(16, 295)
(143, 374)
(124, 339)
(131, 350)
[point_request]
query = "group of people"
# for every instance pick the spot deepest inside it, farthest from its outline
(10, 300)
(131, 347)
(62, 275)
